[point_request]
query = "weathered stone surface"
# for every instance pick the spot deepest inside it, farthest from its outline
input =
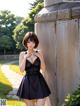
(59, 12)
(76, 12)
(54, 2)
(51, 2)
(46, 17)
(67, 57)
(64, 14)
(47, 38)
(58, 30)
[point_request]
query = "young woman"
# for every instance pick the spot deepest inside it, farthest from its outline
(33, 85)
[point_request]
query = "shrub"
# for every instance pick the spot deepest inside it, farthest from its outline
(73, 99)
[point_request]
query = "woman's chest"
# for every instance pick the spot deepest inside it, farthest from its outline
(35, 64)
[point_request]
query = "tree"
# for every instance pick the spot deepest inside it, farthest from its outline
(8, 22)
(35, 3)
(5, 43)
(18, 35)
(27, 24)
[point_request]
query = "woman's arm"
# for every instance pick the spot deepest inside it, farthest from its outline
(22, 61)
(43, 66)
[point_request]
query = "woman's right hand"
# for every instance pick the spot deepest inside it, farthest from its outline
(26, 55)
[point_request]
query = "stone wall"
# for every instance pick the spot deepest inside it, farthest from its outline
(58, 29)
(9, 57)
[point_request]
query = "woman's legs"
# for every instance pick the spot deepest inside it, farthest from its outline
(40, 102)
(29, 102)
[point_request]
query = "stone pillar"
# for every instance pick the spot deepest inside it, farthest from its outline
(51, 2)
(58, 28)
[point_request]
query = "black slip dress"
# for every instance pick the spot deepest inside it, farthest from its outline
(33, 84)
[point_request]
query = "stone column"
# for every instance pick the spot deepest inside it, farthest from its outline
(58, 28)
(51, 2)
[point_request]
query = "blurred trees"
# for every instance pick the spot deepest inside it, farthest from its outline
(13, 28)
(8, 22)
(27, 24)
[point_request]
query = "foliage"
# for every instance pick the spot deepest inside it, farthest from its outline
(13, 28)
(5, 42)
(73, 99)
(18, 35)
(8, 22)
(35, 3)
(27, 24)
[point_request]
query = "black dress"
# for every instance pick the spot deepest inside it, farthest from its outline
(33, 84)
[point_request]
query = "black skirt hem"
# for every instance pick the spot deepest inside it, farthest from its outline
(33, 98)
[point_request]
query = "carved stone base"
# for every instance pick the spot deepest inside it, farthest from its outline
(61, 11)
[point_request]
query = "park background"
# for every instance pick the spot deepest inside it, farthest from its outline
(16, 18)
(58, 28)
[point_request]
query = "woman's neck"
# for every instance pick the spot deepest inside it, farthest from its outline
(31, 51)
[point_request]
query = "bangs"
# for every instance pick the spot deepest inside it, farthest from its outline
(30, 39)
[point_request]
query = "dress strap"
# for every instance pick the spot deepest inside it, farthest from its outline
(25, 52)
(36, 50)
(34, 54)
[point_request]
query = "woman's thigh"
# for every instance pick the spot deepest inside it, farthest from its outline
(40, 102)
(29, 102)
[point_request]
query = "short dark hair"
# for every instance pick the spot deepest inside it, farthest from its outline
(32, 36)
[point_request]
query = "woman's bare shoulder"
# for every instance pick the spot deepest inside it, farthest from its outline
(40, 53)
(22, 52)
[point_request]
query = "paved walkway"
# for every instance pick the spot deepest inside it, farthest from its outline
(13, 77)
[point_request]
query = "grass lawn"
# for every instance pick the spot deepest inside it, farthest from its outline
(15, 103)
(4, 84)
(15, 67)
(5, 87)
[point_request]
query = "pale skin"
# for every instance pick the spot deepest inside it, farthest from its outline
(22, 60)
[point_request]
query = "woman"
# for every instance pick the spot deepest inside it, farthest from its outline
(33, 85)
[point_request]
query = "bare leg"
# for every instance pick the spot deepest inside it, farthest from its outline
(29, 102)
(40, 102)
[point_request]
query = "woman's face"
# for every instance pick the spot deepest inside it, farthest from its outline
(30, 44)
